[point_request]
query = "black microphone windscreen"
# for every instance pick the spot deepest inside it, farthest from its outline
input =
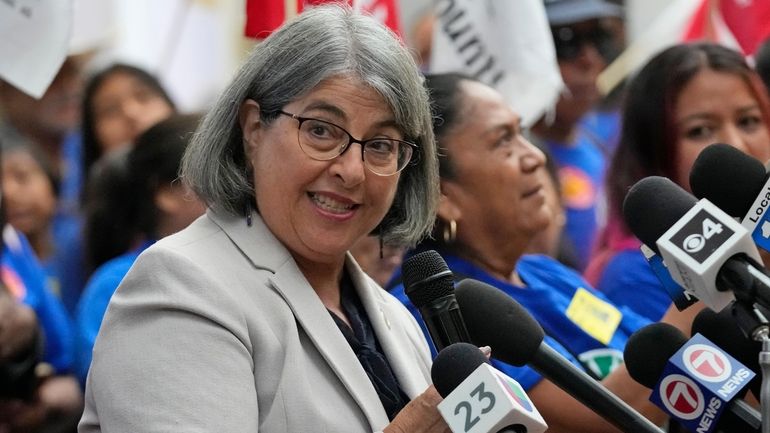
(495, 319)
(648, 350)
(727, 177)
(652, 206)
(453, 364)
(426, 278)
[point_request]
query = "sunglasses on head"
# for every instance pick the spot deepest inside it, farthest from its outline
(569, 42)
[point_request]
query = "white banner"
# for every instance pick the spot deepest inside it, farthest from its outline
(34, 41)
(506, 44)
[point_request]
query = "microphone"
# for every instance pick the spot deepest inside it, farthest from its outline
(681, 298)
(722, 330)
(478, 398)
(745, 195)
(429, 285)
(707, 252)
(693, 381)
(497, 320)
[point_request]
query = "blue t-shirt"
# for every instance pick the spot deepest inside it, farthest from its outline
(605, 125)
(24, 277)
(550, 288)
(582, 166)
(65, 268)
(627, 279)
(93, 304)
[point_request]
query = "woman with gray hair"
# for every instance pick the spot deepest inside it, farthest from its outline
(255, 317)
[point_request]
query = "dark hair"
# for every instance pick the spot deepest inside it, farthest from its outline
(444, 91)
(648, 138)
(92, 149)
(121, 203)
(323, 42)
(762, 62)
(42, 159)
(154, 163)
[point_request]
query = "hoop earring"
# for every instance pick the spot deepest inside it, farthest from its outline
(450, 232)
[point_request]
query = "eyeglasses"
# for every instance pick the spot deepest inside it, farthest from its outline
(569, 42)
(324, 141)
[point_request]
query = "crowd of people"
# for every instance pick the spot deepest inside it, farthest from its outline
(239, 270)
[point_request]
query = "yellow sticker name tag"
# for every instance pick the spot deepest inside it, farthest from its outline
(596, 317)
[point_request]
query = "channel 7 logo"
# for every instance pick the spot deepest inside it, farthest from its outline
(701, 236)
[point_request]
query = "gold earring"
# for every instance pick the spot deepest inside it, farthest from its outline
(450, 232)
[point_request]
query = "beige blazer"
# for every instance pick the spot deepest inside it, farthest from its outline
(215, 329)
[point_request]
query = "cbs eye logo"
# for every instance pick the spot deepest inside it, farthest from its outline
(696, 241)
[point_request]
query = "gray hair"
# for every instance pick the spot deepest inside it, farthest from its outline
(320, 43)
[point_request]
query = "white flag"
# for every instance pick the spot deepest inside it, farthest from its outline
(34, 38)
(506, 44)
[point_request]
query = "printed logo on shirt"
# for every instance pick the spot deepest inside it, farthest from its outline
(602, 361)
(596, 317)
(577, 189)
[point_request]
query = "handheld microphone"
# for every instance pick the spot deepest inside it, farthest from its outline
(707, 252)
(745, 195)
(693, 381)
(478, 398)
(722, 330)
(429, 285)
(497, 320)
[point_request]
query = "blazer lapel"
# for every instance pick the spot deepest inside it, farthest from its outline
(388, 325)
(262, 248)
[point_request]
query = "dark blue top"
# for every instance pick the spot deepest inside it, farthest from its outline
(93, 304)
(581, 165)
(627, 279)
(550, 288)
(24, 277)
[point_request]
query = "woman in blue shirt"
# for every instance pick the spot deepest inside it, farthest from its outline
(492, 205)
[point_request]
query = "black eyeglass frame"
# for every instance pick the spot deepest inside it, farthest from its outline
(300, 119)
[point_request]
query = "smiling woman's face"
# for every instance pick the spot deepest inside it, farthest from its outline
(497, 189)
(319, 209)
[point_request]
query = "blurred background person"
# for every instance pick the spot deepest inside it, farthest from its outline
(31, 195)
(684, 99)
(120, 102)
(584, 44)
(50, 125)
(36, 345)
(154, 205)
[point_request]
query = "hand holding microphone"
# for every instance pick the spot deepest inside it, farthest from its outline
(495, 319)
(478, 398)
(429, 285)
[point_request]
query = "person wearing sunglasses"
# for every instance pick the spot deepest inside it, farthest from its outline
(584, 43)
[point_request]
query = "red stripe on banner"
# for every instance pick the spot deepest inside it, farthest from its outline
(747, 20)
(264, 16)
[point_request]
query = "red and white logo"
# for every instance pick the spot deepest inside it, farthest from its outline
(682, 397)
(707, 363)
